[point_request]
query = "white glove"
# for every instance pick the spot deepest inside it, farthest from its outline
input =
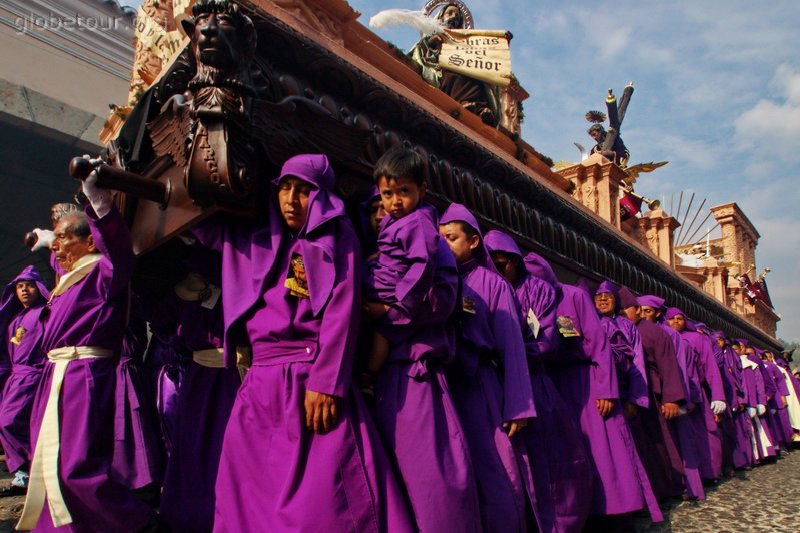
(44, 239)
(718, 407)
(761, 409)
(98, 197)
(751, 412)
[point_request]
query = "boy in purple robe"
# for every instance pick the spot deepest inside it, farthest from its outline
(489, 380)
(585, 375)
(712, 405)
(562, 478)
(71, 487)
(299, 452)
(413, 408)
(665, 388)
(21, 307)
(685, 433)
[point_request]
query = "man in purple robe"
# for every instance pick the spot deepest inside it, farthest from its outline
(777, 405)
(626, 348)
(707, 414)
(208, 390)
(684, 431)
(666, 398)
(489, 379)
(585, 375)
(71, 487)
(735, 439)
(21, 307)
(412, 291)
(299, 452)
(562, 477)
(763, 447)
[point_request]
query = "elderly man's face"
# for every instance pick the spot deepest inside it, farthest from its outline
(68, 247)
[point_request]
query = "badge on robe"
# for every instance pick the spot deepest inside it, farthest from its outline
(296, 280)
(19, 334)
(533, 323)
(566, 328)
(468, 305)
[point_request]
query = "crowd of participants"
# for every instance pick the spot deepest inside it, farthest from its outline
(391, 370)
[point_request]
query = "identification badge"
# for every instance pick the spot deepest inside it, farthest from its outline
(566, 328)
(533, 323)
(468, 305)
(211, 300)
(19, 334)
(296, 280)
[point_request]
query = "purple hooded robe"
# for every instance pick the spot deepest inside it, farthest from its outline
(138, 455)
(91, 312)
(733, 436)
(490, 384)
(753, 383)
(683, 430)
(414, 409)
(274, 474)
(562, 477)
(711, 389)
(584, 372)
(22, 331)
(205, 401)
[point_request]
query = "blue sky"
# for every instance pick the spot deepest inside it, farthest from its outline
(717, 95)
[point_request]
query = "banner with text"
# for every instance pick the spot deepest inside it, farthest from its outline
(479, 54)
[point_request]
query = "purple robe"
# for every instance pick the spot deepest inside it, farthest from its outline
(203, 406)
(490, 384)
(138, 455)
(91, 312)
(562, 477)
(783, 426)
(685, 431)
(26, 358)
(754, 393)
(273, 470)
(711, 390)
(583, 374)
(656, 443)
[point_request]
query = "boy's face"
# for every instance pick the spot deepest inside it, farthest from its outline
(400, 196)
(461, 245)
(27, 292)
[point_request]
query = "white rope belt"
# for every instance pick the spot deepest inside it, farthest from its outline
(213, 358)
(44, 484)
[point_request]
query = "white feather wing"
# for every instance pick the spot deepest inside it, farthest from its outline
(415, 19)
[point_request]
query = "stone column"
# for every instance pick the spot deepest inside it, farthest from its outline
(596, 185)
(658, 228)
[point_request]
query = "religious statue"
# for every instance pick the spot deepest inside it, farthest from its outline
(609, 143)
(477, 96)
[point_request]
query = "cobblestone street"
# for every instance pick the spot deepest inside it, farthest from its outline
(763, 500)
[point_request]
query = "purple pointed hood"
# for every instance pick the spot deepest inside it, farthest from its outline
(497, 241)
(627, 299)
(10, 305)
(323, 205)
(459, 213)
(672, 311)
(611, 288)
(317, 239)
(538, 267)
(583, 284)
(650, 300)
